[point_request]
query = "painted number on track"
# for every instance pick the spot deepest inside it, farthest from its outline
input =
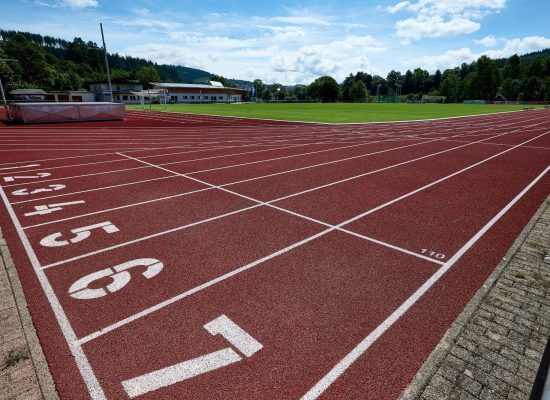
(223, 326)
(433, 254)
(50, 188)
(37, 176)
(119, 274)
(50, 208)
(80, 234)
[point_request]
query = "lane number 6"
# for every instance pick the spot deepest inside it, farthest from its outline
(119, 274)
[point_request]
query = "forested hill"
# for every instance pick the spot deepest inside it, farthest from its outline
(61, 64)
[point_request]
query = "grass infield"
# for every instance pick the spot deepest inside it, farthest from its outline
(335, 112)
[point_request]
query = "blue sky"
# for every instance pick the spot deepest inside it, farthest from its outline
(295, 41)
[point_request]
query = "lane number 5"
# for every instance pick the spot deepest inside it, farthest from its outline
(53, 240)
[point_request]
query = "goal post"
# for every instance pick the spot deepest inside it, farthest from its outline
(433, 99)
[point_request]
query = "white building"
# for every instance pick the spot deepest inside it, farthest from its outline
(200, 93)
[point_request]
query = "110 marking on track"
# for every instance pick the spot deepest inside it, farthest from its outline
(433, 254)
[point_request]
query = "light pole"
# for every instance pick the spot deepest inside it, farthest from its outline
(8, 113)
(106, 62)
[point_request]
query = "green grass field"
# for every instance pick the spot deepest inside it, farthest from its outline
(335, 112)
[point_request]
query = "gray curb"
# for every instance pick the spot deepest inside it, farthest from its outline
(425, 383)
(30, 377)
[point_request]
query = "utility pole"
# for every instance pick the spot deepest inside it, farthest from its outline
(106, 62)
(8, 113)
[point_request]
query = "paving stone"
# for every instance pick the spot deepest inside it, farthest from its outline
(496, 349)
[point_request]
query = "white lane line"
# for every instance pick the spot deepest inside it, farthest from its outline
(388, 127)
(169, 163)
(264, 203)
(341, 367)
(214, 157)
(246, 267)
(210, 186)
(19, 167)
(86, 371)
(275, 174)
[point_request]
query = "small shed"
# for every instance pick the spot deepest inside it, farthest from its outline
(28, 94)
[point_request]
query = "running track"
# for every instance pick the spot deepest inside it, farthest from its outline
(179, 256)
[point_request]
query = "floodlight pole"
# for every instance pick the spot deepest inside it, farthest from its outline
(106, 62)
(8, 113)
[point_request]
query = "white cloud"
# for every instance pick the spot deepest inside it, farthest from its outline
(304, 20)
(437, 18)
(433, 26)
(284, 33)
(487, 41)
(520, 46)
(337, 58)
(449, 59)
(75, 4)
(147, 23)
(79, 4)
(453, 58)
(398, 7)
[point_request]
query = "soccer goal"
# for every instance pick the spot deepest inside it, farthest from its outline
(433, 99)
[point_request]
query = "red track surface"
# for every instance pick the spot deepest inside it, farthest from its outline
(342, 252)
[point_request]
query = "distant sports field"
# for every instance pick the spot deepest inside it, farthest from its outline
(335, 112)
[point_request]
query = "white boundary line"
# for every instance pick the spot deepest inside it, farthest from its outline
(185, 161)
(86, 371)
(246, 267)
(208, 158)
(429, 126)
(266, 203)
(341, 367)
(341, 123)
(210, 187)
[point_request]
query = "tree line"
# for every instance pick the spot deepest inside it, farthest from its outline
(33, 60)
(516, 78)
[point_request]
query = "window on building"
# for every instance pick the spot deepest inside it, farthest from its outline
(192, 97)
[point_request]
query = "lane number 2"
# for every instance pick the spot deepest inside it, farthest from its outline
(222, 326)
(119, 274)
(53, 240)
(37, 176)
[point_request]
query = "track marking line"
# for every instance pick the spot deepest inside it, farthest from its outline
(284, 250)
(86, 371)
(263, 203)
(177, 162)
(421, 125)
(210, 186)
(341, 367)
